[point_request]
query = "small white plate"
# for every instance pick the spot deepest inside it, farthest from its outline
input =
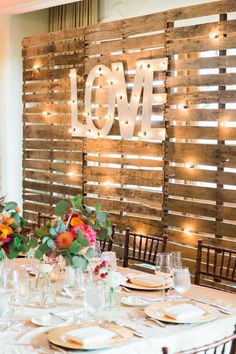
(51, 321)
(134, 301)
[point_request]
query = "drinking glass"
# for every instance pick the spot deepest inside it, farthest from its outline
(176, 259)
(164, 269)
(96, 260)
(181, 280)
(94, 298)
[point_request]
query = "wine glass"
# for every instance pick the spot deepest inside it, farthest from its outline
(176, 259)
(110, 257)
(181, 280)
(163, 269)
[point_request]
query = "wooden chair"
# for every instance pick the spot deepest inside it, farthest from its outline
(43, 219)
(217, 265)
(142, 248)
(106, 245)
(219, 347)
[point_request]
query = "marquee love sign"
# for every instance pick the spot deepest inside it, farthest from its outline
(117, 97)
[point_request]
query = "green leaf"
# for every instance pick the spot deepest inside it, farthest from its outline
(90, 253)
(98, 208)
(79, 233)
(38, 254)
(77, 201)
(51, 244)
(33, 243)
(16, 241)
(79, 262)
(10, 206)
(53, 231)
(75, 247)
(61, 208)
(40, 232)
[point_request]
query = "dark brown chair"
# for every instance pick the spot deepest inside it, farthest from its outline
(106, 245)
(219, 347)
(43, 219)
(142, 248)
(215, 266)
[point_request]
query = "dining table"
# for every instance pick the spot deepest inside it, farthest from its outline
(23, 336)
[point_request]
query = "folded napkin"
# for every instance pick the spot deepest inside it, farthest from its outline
(89, 335)
(183, 312)
(147, 281)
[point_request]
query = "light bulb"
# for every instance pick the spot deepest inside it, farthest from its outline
(213, 35)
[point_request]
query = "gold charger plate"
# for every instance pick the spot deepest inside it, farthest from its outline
(129, 285)
(121, 336)
(156, 311)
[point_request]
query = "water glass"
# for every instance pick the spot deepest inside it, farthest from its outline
(94, 298)
(181, 280)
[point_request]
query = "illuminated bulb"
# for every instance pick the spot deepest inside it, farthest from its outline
(142, 134)
(183, 106)
(135, 97)
(88, 84)
(45, 113)
(223, 124)
(36, 67)
(187, 231)
(213, 35)
(107, 183)
(71, 174)
(86, 114)
(189, 165)
(70, 130)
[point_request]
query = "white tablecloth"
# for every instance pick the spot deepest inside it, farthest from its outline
(175, 337)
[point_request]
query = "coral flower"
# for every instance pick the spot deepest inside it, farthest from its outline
(88, 232)
(64, 240)
(75, 221)
(17, 210)
(5, 231)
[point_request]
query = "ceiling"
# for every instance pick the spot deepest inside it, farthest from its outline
(14, 7)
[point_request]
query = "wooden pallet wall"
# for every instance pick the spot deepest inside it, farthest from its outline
(184, 185)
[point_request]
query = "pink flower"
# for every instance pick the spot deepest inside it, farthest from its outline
(88, 232)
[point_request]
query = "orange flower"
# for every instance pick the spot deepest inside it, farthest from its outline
(76, 221)
(5, 231)
(17, 210)
(64, 240)
(9, 221)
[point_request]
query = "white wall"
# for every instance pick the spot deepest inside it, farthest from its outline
(111, 10)
(12, 30)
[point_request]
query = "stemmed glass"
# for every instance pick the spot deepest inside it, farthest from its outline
(181, 280)
(164, 269)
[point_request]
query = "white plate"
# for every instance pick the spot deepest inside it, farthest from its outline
(52, 321)
(134, 301)
(157, 311)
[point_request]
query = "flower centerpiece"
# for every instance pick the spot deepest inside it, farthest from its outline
(13, 233)
(72, 235)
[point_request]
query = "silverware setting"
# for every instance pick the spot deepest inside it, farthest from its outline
(222, 309)
(135, 331)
